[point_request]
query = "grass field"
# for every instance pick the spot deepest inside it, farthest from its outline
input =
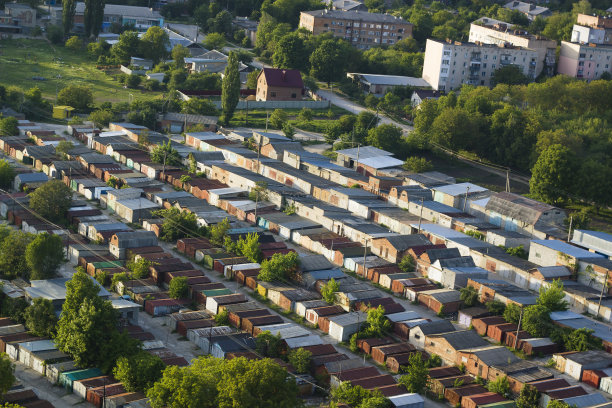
(22, 59)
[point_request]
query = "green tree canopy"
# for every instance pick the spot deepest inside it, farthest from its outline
(509, 75)
(7, 377)
(512, 313)
(378, 324)
(13, 248)
(44, 255)
(469, 296)
(40, 318)
(536, 320)
(210, 383)
(268, 344)
(500, 386)
(165, 153)
(126, 47)
(214, 41)
(8, 126)
(328, 60)
(139, 372)
(386, 137)
(416, 371)
(77, 96)
(7, 173)
(178, 224)
(140, 268)
(178, 287)
(219, 231)
(51, 200)
(553, 175)
(300, 360)
(279, 267)
(328, 291)
(407, 263)
(249, 247)
(154, 44)
(289, 53)
(230, 89)
(529, 397)
(552, 296)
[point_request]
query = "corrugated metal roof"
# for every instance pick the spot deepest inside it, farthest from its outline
(439, 326)
(590, 356)
(381, 162)
(464, 339)
(403, 316)
(406, 399)
(364, 152)
(443, 295)
(460, 189)
(585, 400)
(596, 240)
(565, 248)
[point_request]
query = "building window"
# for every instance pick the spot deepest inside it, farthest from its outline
(325, 25)
(445, 62)
(356, 25)
(293, 95)
(273, 94)
(447, 53)
(444, 70)
(493, 66)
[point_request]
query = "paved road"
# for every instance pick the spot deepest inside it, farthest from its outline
(57, 396)
(355, 108)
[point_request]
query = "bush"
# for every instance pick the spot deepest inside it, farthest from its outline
(151, 85)
(55, 34)
(278, 118)
(74, 43)
(132, 81)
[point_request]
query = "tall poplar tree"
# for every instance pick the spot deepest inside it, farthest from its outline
(94, 15)
(68, 10)
(230, 91)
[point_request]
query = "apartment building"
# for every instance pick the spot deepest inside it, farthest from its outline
(586, 61)
(530, 10)
(592, 29)
(361, 29)
(449, 64)
(490, 31)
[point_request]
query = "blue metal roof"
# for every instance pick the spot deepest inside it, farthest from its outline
(568, 249)
(25, 177)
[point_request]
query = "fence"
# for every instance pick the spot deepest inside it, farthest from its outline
(278, 104)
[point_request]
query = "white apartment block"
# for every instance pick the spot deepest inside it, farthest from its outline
(586, 61)
(490, 31)
(448, 65)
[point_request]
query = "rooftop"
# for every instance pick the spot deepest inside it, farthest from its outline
(390, 80)
(125, 11)
(460, 189)
(597, 241)
(55, 289)
(528, 8)
(356, 15)
(518, 207)
(290, 78)
(565, 248)
(381, 162)
(364, 152)
(463, 339)
(436, 327)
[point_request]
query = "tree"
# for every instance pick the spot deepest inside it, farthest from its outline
(7, 174)
(496, 307)
(222, 318)
(386, 137)
(500, 386)
(269, 345)
(79, 97)
(221, 23)
(101, 117)
(154, 44)
(44, 255)
(289, 53)
(553, 175)
(214, 41)
(249, 247)
(469, 296)
(8, 126)
(178, 288)
(278, 118)
(51, 200)
(64, 147)
(279, 267)
(164, 153)
(557, 404)
(230, 90)
(378, 324)
(305, 115)
(416, 371)
(210, 382)
(536, 320)
(126, 47)
(328, 291)
(581, 340)
(177, 224)
(12, 255)
(329, 60)
(417, 164)
(407, 263)
(74, 43)
(199, 107)
(7, 378)
(179, 53)
(252, 76)
(509, 75)
(300, 360)
(529, 397)
(132, 81)
(68, 11)
(40, 318)
(140, 268)
(552, 296)
(140, 372)
(93, 17)
(288, 130)
(88, 322)
(219, 231)
(259, 192)
(512, 314)
(357, 396)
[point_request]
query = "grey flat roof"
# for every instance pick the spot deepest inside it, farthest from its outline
(364, 152)
(390, 80)
(357, 15)
(55, 289)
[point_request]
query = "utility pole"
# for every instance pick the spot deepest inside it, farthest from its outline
(164, 166)
(518, 328)
(266, 121)
(365, 252)
(357, 162)
(467, 191)
(421, 214)
(603, 287)
(569, 232)
(507, 180)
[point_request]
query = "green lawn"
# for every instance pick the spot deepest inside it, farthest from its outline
(21, 59)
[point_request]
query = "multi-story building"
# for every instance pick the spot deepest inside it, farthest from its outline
(592, 29)
(22, 14)
(142, 18)
(490, 31)
(449, 64)
(360, 28)
(586, 61)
